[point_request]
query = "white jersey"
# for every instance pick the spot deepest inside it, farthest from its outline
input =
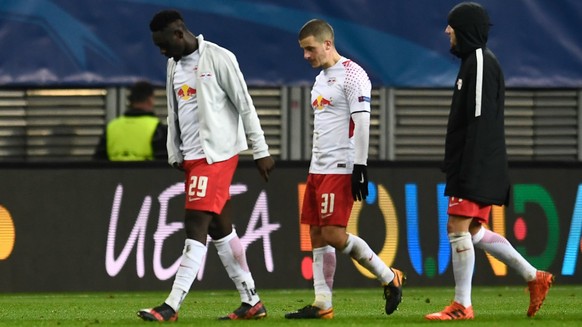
(338, 92)
(185, 91)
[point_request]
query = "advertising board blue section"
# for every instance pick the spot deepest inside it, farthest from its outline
(399, 43)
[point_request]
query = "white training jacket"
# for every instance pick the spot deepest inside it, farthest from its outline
(226, 112)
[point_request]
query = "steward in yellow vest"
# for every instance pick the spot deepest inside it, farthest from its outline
(138, 135)
(129, 138)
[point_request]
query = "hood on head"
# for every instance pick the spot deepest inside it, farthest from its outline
(471, 24)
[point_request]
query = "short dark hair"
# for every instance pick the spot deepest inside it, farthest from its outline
(318, 28)
(164, 18)
(141, 91)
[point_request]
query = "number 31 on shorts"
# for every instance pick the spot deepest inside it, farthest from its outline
(327, 203)
(197, 186)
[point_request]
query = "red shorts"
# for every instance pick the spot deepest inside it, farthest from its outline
(207, 186)
(468, 208)
(328, 200)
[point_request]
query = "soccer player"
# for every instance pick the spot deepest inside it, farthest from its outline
(476, 163)
(209, 112)
(340, 99)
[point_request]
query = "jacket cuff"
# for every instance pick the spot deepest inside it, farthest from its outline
(261, 154)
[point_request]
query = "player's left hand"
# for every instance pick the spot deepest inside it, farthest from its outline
(178, 165)
(360, 182)
(265, 165)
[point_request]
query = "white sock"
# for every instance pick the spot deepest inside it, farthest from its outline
(499, 247)
(191, 260)
(360, 251)
(324, 263)
(233, 257)
(463, 266)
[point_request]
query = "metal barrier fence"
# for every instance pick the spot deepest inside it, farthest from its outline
(406, 124)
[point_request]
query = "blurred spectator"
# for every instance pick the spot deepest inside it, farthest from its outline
(138, 135)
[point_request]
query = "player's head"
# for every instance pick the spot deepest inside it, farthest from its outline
(468, 28)
(316, 38)
(142, 95)
(168, 33)
(317, 28)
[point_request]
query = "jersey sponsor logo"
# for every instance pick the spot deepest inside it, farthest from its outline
(186, 92)
(363, 99)
(192, 199)
(459, 84)
(320, 103)
(331, 81)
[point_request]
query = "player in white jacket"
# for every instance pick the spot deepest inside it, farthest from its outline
(210, 116)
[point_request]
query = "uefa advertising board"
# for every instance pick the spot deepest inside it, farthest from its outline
(80, 227)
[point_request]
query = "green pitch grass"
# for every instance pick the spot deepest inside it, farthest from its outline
(494, 306)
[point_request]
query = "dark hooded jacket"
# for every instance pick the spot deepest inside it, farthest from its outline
(475, 153)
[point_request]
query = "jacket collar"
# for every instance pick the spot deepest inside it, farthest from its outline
(201, 43)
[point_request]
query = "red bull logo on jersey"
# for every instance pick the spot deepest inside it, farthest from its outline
(186, 92)
(320, 103)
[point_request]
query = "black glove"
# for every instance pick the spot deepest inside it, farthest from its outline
(360, 182)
